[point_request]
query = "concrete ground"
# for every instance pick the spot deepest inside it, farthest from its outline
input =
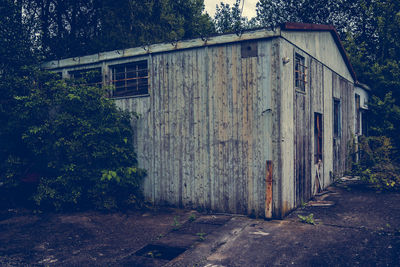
(355, 226)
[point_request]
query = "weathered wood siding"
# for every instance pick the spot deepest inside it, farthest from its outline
(299, 171)
(204, 134)
(321, 46)
(344, 91)
(214, 122)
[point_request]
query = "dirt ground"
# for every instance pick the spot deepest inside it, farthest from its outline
(360, 228)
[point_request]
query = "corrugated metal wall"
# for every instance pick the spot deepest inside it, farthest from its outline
(204, 134)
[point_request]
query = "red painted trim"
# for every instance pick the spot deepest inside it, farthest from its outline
(296, 26)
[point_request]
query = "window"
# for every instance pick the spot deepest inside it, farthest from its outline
(300, 73)
(130, 79)
(336, 118)
(317, 137)
(364, 122)
(89, 77)
(358, 114)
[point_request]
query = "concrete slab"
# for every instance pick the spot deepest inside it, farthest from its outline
(361, 229)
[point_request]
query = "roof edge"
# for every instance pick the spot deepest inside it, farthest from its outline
(248, 35)
(297, 26)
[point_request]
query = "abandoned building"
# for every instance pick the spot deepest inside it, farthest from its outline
(252, 123)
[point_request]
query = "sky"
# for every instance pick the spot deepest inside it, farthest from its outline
(249, 10)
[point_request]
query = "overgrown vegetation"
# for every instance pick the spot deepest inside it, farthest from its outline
(72, 147)
(64, 145)
(379, 157)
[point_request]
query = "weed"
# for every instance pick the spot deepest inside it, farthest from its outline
(176, 224)
(154, 254)
(303, 204)
(192, 217)
(160, 236)
(307, 219)
(202, 236)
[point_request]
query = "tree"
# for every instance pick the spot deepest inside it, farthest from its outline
(67, 28)
(16, 61)
(229, 19)
(62, 144)
(341, 13)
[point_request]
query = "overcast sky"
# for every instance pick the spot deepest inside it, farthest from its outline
(248, 11)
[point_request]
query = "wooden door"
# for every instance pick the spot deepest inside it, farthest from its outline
(302, 160)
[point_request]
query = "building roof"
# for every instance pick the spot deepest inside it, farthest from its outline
(262, 33)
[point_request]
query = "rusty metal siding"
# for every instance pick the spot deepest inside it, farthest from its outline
(204, 134)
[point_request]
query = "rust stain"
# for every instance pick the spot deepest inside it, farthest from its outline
(268, 190)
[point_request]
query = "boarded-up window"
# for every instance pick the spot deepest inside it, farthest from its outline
(249, 49)
(317, 137)
(336, 118)
(300, 75)
(358, 114)
(130, 79)
(90, 77)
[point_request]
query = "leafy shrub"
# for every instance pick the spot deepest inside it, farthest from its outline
(378, 165)
(72, 146)
(379, 157)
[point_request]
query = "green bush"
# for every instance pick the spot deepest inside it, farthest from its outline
(379, 157)
(378, 165)
(71, 148)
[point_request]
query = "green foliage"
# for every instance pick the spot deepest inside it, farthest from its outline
(379, 157)
(272, 13)
(176, 224)
(73, 145)
(307, 219)
(201, 236)
(229, 19)
(192, 217)
(379, 164)
(78, 27)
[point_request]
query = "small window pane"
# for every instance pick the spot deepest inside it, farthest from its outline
(300, 73)
(130, 79)
(336, 118)
(317, 137)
